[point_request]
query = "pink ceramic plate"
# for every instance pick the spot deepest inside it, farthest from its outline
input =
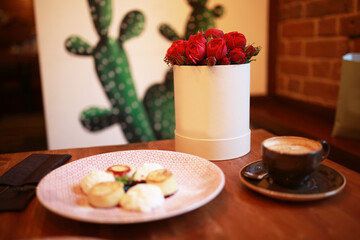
(199, 182)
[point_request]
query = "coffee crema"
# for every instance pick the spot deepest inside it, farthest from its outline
(292, 145)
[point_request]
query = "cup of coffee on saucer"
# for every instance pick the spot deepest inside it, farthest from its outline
(291, 170)
(291, 160)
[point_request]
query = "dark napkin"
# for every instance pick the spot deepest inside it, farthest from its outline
(17, 186)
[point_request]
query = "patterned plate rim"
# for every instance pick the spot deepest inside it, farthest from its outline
(153, 217)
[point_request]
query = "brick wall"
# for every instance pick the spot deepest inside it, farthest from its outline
(312, 37)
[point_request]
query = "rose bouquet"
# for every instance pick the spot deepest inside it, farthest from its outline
(211, 48)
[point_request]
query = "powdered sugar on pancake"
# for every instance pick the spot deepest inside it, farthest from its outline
(145, 169)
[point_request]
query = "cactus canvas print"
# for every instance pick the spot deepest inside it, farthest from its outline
(112, 68)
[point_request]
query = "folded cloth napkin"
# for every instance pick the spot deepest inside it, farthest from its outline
(17, 186)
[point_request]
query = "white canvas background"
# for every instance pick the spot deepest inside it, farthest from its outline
(70, 84)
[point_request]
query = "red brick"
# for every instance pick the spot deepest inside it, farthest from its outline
(295, 48)
(280, 83)
(327, 27)
(294, 85)
(327, 48)
(326, 7)
(321, 69)
(290, 12)
(281, 48)
(323, 90)
(299, 29)
(294, 67)
(336, 71)
(356, 47)
(350, 26)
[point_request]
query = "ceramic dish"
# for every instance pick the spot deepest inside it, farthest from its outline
(199, 182)
(324, 183)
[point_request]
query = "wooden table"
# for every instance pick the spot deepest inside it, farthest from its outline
(236, 213)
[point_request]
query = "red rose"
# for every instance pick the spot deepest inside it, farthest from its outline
(250, 51)
(198, 38)
(195, 52)
(237, 55)
(235, 40)
(214, 33)
(176, 53)
(216, 48)
(211, 48)
(224, 61)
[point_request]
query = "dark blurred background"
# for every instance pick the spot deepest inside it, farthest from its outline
(22, 126)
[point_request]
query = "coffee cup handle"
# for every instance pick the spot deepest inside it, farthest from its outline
(326, 148)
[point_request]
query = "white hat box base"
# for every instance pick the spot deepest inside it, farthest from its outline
(214, 149)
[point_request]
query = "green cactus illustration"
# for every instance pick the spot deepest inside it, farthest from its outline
(200, 19)
(159, 98)
(113, 70)
(159, 104)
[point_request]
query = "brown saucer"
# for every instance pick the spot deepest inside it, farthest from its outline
(324, 183)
